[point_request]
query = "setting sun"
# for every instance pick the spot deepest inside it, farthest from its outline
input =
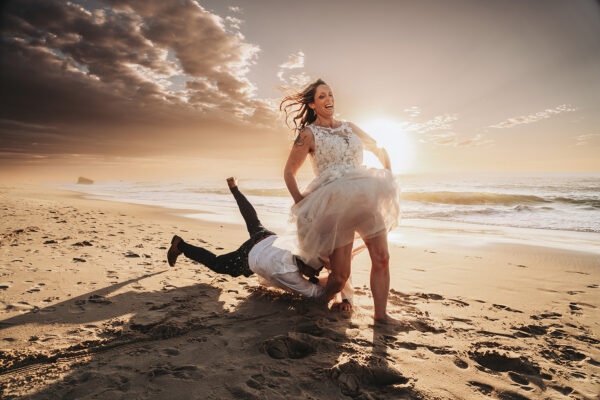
(390, 135)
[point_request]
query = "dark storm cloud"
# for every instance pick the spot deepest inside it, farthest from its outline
(103, 71)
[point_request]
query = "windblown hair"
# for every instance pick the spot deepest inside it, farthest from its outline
(295, 106)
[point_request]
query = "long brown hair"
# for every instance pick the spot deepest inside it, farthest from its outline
(295, 106)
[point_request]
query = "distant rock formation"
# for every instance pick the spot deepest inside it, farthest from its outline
(84, 181)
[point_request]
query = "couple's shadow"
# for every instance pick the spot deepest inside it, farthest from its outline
(274, 335)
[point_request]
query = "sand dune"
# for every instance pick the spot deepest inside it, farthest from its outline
(90, 309)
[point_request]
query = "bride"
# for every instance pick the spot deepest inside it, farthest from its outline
(345, 201)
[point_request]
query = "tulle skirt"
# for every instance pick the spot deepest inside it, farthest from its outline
(341, 207)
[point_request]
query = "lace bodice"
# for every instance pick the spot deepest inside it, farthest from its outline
(336, 149)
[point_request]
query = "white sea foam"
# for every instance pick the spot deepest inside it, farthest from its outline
(557, 202)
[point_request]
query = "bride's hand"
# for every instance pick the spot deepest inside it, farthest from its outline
(299, 199)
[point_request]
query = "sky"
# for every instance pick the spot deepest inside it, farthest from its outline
(144, 89)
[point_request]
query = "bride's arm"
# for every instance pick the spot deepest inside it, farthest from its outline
(303, 145)
(371, 145)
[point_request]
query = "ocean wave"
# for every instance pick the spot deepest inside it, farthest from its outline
(522, 207)
(472, 198)
(502, 199)
(595, 203)
(275, 192)
(451, 213)
(447, 197)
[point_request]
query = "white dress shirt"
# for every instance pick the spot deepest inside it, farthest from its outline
(276, 266)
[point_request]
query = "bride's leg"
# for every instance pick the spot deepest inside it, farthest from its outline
(380, 280)
(340, 261)
(380, 273)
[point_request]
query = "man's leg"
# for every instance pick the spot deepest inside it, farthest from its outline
(234, 263)
(246, 209)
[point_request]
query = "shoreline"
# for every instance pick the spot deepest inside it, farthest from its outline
(90, 306)
(490, 234)
(442, 241)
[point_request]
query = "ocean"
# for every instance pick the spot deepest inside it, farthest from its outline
(552, 201)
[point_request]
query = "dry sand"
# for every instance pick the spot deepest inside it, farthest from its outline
(90, 309)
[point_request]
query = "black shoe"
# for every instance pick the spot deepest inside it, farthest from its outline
(174, 252)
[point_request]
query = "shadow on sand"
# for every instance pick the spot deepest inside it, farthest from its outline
(189, 343)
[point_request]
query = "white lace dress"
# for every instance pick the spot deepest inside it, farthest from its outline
(345, 201)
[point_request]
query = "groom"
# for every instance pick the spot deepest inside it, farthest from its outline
(261, 254)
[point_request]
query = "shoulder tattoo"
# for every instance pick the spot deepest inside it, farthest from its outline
(299, 140)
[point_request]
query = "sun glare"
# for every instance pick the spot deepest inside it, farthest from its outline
(391, 136)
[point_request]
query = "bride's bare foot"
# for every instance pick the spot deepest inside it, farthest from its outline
(232, 182)
(388, 320)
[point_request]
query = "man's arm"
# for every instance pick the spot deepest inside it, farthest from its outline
(297, 283)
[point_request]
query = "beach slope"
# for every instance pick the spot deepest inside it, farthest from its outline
(89, 308)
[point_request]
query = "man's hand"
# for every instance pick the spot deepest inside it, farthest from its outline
(307, 271)
(343, 306)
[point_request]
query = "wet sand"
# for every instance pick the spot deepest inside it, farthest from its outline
(90, 309)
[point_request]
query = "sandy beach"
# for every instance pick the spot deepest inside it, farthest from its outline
(90, 309)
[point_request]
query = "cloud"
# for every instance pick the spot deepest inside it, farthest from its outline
(451, 139)
(476, 141)
(582, 140)
(234, 23)
(439, 131)
(104, 78)
(413, 111)
(294, 61)
(440, 138)
(528, 119)
(439, 122)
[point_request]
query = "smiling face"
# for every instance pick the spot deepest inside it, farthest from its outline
(323, 103)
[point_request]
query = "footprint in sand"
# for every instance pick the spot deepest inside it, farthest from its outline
(551, 315)
(82, 244)
(574, 308)
(520, 379)
(502, 361)
(169, 351)
(299, 345)
(460, 363)
(506, 308)
(458, 302)
(430, 296)
(352, 375)
(98, 299)
(481, 387)
(530, 330)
